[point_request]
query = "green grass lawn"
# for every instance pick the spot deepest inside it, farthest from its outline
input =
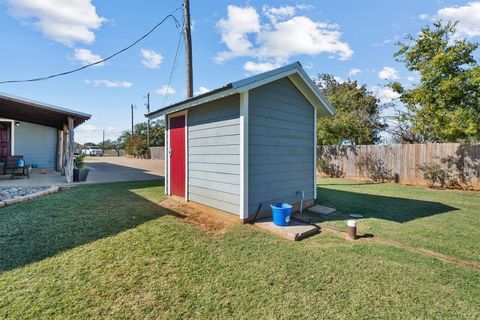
(109, 251)
(441, 220)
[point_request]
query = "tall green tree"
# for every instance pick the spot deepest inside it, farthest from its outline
(357, 118)
(445, 105)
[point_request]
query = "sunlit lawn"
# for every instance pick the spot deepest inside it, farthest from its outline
(441, 220)
(103, 251)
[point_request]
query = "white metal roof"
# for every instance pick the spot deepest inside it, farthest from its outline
(293, 71)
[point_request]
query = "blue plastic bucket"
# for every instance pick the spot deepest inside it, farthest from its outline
(281, 213)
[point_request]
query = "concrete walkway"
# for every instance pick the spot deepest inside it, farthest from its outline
(102, 170)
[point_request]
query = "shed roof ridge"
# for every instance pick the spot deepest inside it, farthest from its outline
(245, 85)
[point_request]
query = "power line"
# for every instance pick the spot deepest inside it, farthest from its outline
(177, 24)
(174, 66)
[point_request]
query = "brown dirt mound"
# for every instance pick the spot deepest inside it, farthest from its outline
(208, 219)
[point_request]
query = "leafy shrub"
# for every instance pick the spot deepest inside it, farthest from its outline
(374, 168)
(435, 174)
(329, 169)
(79, 162)
(136, 147)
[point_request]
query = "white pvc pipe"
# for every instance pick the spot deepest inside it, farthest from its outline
(301, 202)
(352, 223)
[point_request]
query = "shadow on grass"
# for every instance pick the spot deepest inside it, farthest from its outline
(375, 206)
(362, 183)
(38, 229)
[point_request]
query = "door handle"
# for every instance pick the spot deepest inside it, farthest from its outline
(169, 152)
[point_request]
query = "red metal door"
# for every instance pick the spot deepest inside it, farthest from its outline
(5, 142)
(177, 155)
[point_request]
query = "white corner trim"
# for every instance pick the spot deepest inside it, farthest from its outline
(167, 158)
(244, 155)
(314, 153)
(12, 134)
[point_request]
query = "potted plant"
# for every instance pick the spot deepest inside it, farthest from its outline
(80, 173)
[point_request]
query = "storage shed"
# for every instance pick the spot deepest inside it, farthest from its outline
(246, 145)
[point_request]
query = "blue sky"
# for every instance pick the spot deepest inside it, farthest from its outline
(231, 40)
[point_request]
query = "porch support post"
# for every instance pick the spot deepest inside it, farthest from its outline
(64, 148)
(244, 145)
(59, 150)
(69, 155)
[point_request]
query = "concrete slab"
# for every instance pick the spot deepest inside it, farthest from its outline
(321, 209)
(317, 217)
(310, 217)
(294, 231)
(102, 170)
(37, 179)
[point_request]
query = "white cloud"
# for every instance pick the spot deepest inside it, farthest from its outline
(93, 133)
(304, 6)
(151, 59)
(410, 78)
(300, 35)
(201, 90)
(282, 36)
(468, 17)
(385, 94)
(388, 73)
(64, 21)
(259, 67)
(235, 30)
(423, 16)
(87, 128)
(109, 83)
(164, 90)
(86, 56)
(280, 13)
(308, 65)
(113, 130)
(354, 72)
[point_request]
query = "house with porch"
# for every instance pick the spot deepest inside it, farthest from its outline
(42, 133)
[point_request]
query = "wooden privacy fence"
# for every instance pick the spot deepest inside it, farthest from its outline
(157, 153)
(403, 160)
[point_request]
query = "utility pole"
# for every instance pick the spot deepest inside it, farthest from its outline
(132, 107)
(148, 119)
(188, 47)
(103, 143)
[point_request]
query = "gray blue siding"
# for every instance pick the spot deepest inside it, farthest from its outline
(281, 145)
(214, 154)
(37, 144)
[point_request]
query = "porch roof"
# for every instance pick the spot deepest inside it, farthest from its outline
(22, 109)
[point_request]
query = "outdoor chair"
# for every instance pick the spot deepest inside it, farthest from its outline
(12, 167)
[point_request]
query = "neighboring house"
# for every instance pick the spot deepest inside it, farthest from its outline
(248, 143)
(36, 131)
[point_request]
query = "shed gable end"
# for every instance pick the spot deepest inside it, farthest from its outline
(281, 145)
